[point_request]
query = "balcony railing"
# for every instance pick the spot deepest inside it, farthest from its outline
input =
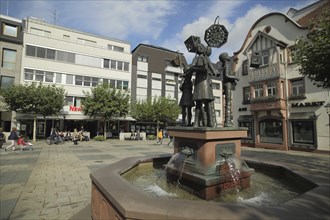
(266, 72)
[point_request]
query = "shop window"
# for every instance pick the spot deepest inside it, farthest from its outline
(8, 58)
(6, 82)
(271, 131)
(69, 100)
(246, 95)
(247, 125)
(303, 132)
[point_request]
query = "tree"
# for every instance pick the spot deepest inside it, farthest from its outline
(160, 109)
(35, 99)
(313, 53)
(105, 102)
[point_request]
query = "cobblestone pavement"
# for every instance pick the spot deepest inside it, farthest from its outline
(53, 181)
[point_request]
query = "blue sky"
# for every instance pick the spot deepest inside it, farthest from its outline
(166, 23)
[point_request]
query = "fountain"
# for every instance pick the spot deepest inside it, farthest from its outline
(206, 162)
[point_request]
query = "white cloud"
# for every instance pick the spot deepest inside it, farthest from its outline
(237, 29)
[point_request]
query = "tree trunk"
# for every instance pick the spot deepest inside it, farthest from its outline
(45, 127)
(105, 130)
(34, 139)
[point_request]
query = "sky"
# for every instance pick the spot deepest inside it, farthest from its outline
(164, 23)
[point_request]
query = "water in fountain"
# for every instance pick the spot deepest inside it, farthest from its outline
(263, 191)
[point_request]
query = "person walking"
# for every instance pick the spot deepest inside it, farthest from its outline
(160, 137)
(13, 137)
(2, 138)
(171, 140)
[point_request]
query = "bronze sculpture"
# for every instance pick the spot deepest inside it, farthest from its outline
(228, 83)
(215, 36)
(186, 101)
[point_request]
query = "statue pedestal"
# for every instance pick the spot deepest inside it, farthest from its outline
(206, 171)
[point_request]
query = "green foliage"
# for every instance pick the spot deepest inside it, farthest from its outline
(313, 53)
(151, 137)
(99, 138)
(105, 102)
(160, 109)
(34, 99)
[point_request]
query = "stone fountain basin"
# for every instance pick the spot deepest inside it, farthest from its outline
(115, 198)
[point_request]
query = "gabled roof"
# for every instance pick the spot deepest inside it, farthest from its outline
(272, 39)
(287, 19)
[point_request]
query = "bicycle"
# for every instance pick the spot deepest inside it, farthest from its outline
(54, 140)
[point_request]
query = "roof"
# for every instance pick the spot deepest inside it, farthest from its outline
(155, 47)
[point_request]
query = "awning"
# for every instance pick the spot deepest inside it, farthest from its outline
(303, 115)
(248, 118)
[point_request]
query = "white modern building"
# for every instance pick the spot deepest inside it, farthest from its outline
(282, 109)
(76, 61)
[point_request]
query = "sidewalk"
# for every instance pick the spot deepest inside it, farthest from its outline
(53, 182)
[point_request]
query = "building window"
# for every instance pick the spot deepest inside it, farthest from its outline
(245, 68)
(258, 91)
(113, 64)
(9, 30)
(271, 88)
(246, 95)
(69, 79)
(125, 85)
(271, 131)
(115, 48)
(217, 100)
(41, 52)
(49, 77)
(297, 87)
(106, 63)
(292, 54)
(78, 80)
(58, 78)
(95, 81)
(39, 75)
(119, 65)
(8, 58)
(77, 101)
(265, 57)
(28, 74)
(216, 86)
(6, 82)
(50, 54)
(140, 76)
(142, 58)
(31, 50)
(126, 66)
(87, 81)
